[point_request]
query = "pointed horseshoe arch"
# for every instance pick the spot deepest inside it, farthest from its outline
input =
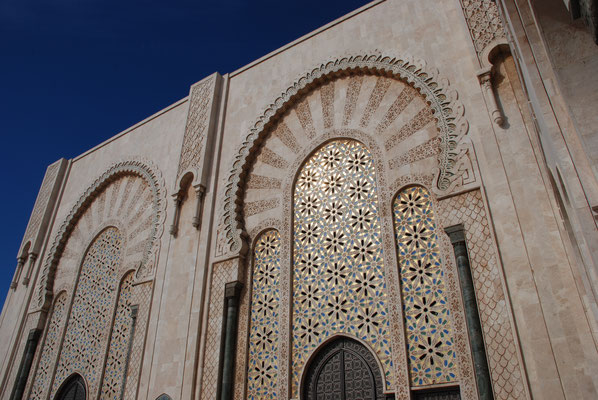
(447, 111)
(143, 169)
(72, 389)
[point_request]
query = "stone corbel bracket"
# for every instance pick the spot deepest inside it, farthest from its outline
(198, 142)
(485, 78)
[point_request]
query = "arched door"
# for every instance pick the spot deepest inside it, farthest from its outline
(343, 369)
(72, 389)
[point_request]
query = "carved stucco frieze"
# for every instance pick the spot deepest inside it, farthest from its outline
(41, 202)
(450, 147)
(484, 23)
(499, 332)
(38, 222)
(201, 104)
(221, 274)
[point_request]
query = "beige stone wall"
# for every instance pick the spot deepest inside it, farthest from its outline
(166, 129)
(539, 263)
(574, 57)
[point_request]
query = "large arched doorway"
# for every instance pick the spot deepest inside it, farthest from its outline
(343, 369)
(72, 389)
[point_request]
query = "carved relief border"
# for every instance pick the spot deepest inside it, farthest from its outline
(46, 354)
(142, 295)
(199, 131)
(243, 337)
(200, 100)
(462, 346)
(501, 346)
(41, 204)
(484, 23)
(448, 112)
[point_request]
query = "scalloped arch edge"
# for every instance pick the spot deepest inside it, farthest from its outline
(146, 170)
(443, 100)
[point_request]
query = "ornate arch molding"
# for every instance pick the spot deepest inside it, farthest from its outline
(144, 169)
(448, 112)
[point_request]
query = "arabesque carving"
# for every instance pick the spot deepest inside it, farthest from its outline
(483, 20)
(499, 334)
(200, 101)
(41, 202)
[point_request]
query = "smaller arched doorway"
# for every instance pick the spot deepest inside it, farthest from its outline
(343, 369)
(72, 389)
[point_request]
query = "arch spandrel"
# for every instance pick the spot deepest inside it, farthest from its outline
(400, 103)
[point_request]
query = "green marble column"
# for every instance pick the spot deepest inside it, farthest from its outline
(25, 367)
(474, 327)
(232, 293)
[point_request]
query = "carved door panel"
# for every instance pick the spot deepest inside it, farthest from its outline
(343, 370)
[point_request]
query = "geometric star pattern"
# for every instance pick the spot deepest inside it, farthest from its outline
(88, 327)
(116, 362)
(338, 264)
(50, 349)
(432, 358)
(263, 334)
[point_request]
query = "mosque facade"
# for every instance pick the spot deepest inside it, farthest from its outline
(399, 205)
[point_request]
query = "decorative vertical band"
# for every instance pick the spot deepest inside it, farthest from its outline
(203, 106)
(484, 22)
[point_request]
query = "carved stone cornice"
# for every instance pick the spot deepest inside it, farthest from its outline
(44, 204)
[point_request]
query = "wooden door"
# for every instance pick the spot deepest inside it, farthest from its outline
(72, 389)
(343, 370)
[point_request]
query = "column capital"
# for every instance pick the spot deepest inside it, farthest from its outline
(456, 233)
(233, 289)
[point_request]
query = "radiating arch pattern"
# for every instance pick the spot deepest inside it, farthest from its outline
(338, 263)
(430, 344)
(342, 106)
(265, 302)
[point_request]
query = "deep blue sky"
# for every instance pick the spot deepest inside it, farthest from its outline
(75, 72)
